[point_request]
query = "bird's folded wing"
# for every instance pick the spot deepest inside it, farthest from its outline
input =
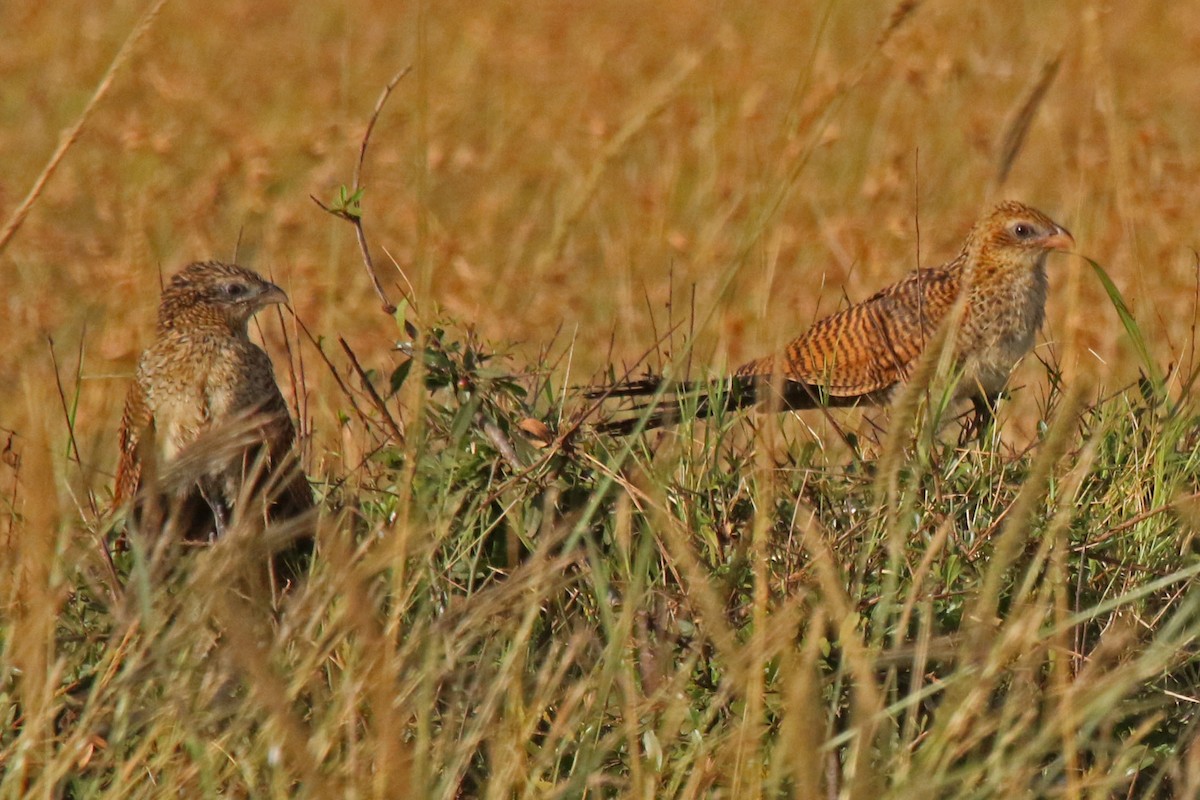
(870, 346)
(135, 421)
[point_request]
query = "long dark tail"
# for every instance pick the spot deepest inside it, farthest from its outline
(730, 394)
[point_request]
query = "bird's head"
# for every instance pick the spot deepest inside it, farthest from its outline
(211, 292)
(1014, 233)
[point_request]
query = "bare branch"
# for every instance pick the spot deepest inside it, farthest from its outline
(356, 219)
(380, 406)
(383, 96)
(499, 441)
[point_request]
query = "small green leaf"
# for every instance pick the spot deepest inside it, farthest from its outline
(347, 203)
(399, 375)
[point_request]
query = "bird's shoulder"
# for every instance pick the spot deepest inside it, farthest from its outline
(933, 290)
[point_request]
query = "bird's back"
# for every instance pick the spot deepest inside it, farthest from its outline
(870, 346)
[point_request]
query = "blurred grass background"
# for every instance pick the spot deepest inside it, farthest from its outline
(786, 170)
(572, 179)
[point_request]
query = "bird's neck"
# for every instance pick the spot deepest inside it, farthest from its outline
(203, 320)
(1012, 288)
(985, 270)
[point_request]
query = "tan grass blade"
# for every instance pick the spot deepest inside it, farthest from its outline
(71, 135)
(1018, 126)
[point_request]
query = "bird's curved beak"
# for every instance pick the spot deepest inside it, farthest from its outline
(273, 294)
(1059, 239)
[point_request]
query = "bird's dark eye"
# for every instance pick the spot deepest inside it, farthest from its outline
(235, 290)
(1023, 230)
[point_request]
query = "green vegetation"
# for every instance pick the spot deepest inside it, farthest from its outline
(504, 604)
(716, 609)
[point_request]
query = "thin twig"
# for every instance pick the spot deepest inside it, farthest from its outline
(71, 135)
(380, 406)
(363, 418)
(1136, 520)
(501, 442)
(389, 308)
(299, 388)
(383, 96)
(412, 290)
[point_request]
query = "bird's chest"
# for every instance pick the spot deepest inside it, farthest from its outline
(1005, 318)
(198, 382)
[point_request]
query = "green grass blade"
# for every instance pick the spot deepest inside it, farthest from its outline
(1133, 330)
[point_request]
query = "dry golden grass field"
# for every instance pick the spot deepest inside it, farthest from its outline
(569, 180)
